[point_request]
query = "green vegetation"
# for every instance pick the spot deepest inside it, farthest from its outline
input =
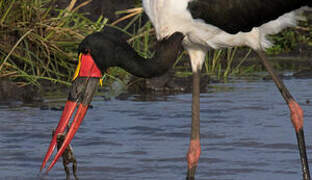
(288, 39)
(36, 45)
(40, 42)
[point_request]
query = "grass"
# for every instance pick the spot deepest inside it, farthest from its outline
(35, 45)
(288, 39)
(39, 42)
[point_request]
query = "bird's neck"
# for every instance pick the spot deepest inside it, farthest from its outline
(166, 53)
(109, 48)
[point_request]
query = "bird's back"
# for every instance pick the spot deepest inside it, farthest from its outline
(234, 16)
(222, 23)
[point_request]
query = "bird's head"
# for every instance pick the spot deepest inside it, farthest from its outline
(83, 88)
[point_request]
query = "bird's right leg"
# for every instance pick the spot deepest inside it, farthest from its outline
(197, 59)
(296, 114)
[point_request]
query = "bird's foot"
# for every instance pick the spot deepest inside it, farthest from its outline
(191, 173)
(296, 115)
(193, 158)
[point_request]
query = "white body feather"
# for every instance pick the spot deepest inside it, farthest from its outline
(169, 16)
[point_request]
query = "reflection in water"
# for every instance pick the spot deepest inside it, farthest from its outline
(245, 129)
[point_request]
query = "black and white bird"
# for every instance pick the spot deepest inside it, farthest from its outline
(227, 23)
(198, 25)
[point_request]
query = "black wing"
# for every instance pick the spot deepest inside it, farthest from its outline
(233, 16)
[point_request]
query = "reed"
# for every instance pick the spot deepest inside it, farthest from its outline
(35, 45)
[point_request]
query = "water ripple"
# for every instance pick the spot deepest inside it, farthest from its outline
(245, 134)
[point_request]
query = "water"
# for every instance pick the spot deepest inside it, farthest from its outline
(245, 129)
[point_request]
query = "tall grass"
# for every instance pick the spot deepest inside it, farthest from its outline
(38, 41)
(35, 45)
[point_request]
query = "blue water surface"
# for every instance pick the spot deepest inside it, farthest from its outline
(245, 134)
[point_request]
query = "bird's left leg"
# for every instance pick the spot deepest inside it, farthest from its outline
(197, 58)
(296, 114)
(194, 146)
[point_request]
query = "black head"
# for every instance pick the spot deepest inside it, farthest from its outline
(103, 46)
(172, 42)
(169, 47)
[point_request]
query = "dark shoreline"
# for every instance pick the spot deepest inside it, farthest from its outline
(164, 85)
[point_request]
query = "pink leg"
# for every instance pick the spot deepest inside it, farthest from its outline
(193, 157)
(296, 115)
(194, 147)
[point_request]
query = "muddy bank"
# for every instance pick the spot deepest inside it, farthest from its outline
(167, 84)
(29, 94)
(10, 91)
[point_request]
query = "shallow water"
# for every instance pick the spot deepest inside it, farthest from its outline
(245, 129)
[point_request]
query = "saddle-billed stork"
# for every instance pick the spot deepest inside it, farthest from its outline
(198, 25)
